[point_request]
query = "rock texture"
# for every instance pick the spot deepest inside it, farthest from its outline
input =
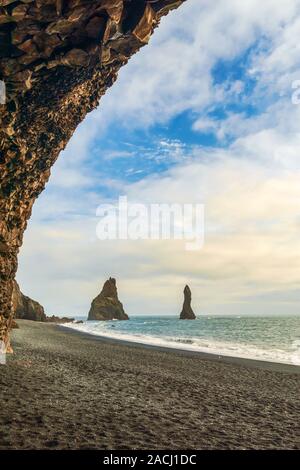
(25, 308)
(106, 306)
(14, 325)
(187, 311)
(55, 319)
(57, 58)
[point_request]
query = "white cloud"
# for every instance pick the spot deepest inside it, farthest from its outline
(252, 225)
(250, 189)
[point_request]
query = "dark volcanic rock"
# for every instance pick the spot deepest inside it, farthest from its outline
(55, 319)
(26, 308)
(14, 324)
(187, 311)
(57, 58)
(106, 306)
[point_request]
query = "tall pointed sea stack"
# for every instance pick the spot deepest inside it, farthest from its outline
(106, 306)
(187, 311)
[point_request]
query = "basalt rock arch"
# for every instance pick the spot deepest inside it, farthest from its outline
(57, 58)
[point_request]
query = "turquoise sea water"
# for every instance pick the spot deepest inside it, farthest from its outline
(274, 339)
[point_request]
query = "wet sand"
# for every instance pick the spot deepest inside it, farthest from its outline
(64, 390)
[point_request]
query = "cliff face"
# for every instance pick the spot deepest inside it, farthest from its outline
(187, 311)
(106, 306)
(25, 308)
(57, 58)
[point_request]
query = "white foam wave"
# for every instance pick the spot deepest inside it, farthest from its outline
(239, 350)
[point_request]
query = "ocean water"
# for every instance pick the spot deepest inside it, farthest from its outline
(275, 339)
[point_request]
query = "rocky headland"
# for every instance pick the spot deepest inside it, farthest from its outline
(27, 309)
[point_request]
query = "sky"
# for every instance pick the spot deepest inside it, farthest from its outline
(203, 114)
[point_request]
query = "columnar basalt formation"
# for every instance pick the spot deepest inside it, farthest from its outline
(57, 58)
(106, 306)
(187, 311)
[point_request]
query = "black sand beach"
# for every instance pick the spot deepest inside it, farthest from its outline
(62, 390)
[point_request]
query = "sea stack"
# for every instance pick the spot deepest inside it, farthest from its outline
(106, 306)
(187, 311)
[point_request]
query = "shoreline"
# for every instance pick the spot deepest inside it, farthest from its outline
(223, 358)
(63, 389)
